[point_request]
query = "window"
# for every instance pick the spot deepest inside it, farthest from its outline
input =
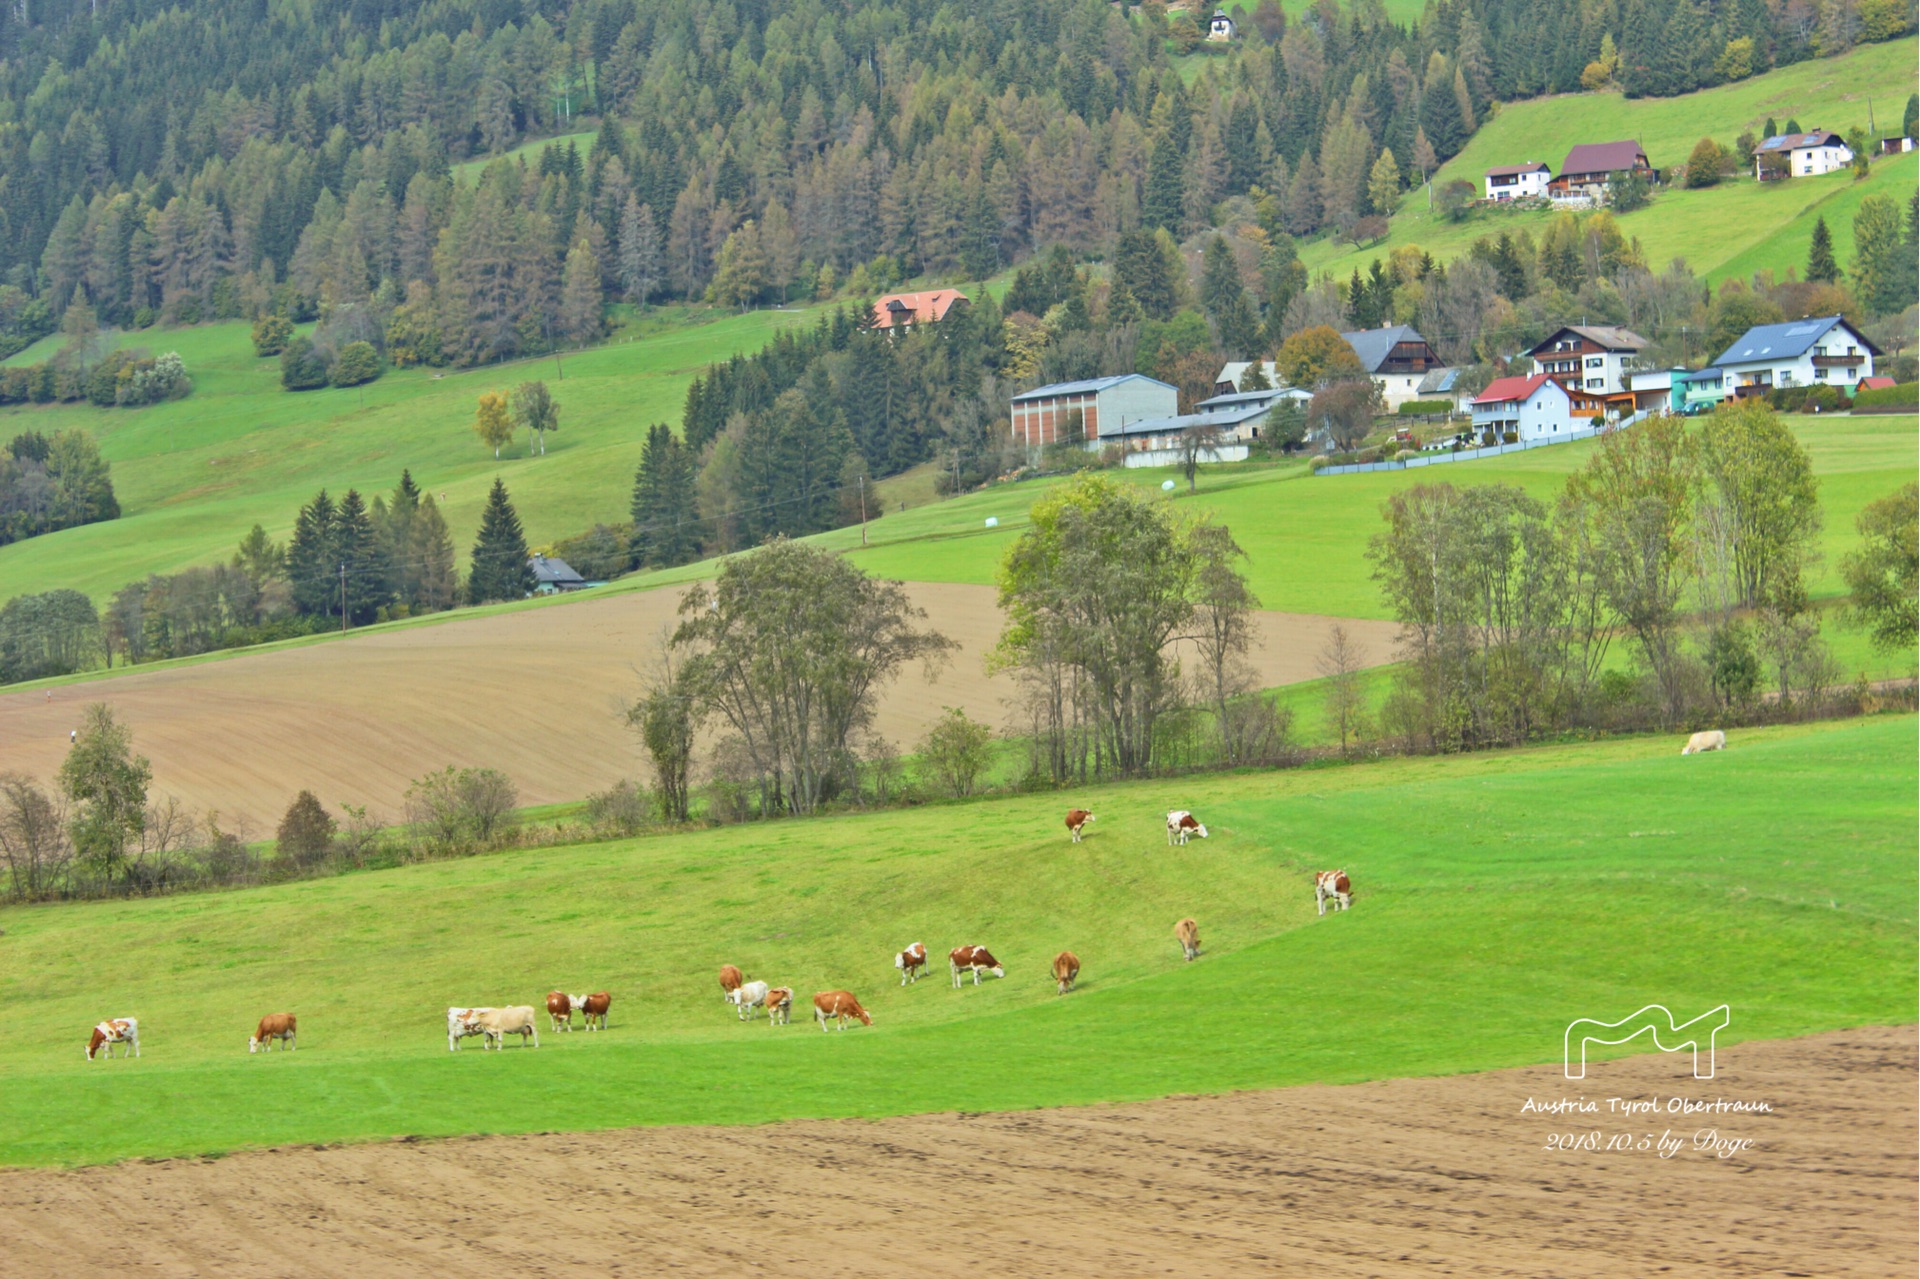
(1820, 374)
(1596, 362)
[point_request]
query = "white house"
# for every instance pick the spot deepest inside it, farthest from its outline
(1801, 155)
(1529, 408)
(1044, 415)
(1220, 27)
(1818, 351)
(1590, 357)
(1397, 358)
(1518, 181)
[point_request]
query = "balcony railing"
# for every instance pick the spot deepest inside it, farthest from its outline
(1837, 361)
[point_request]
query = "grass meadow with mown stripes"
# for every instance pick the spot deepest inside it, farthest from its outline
(1499, 896)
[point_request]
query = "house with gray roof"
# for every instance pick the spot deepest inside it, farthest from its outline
(1095, 407)
(1597, 358)
(1396, 357)
(1801, 155)
(551, 576)
(1816, 351)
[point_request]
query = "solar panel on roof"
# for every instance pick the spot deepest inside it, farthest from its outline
(1801, 330)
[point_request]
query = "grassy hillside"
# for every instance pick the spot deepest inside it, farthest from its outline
(1732, 229)
(1499, 896)
(194, 475)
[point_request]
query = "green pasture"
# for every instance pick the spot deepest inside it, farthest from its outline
(1499, 896)
(194, 475)
(1730, 230)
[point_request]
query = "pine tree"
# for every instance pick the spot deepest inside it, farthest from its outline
(500, 570)
(357, 548)
(1140, 266)
(1220, 277)
(1820, 263)
(396, 540)
(1163, 204)
(665, 523)
(312, 563)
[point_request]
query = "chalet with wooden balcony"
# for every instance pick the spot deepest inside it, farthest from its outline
(1397, 358)
(1589, 167)
(1595, 362)
(1816, 351)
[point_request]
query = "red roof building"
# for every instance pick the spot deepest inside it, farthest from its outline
(904, 310)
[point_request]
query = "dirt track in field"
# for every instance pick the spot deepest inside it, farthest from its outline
(1407, 1177)
(534, 693)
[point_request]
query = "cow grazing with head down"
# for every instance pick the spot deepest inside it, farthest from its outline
(1077, 818)
(729, 981)
(124, 1031)
(911, 962)
(1066, 970)
(972, 959)
(594, 1008)
(779, 1005)
(1182, 826)
(748, 997)
(560, 1010)
(461, 1023)
(281, 1026)
(497, 1023)
(1332, 886)
(839, 1005)
(1187, 933)
(1711, 740)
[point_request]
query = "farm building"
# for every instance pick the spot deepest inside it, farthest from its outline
(1589, 167)
(901, 311)
(1817, 351)
(1518, 181)
(552, 576)
(1105, 405)
(1396, 358)
(1801, 155)
(1527, 408)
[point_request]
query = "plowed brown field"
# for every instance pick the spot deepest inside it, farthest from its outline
(535, 693)
(1406, 1177)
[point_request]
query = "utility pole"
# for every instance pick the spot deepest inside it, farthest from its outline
(863, 510)
(343, 598)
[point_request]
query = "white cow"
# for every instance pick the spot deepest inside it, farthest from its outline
(497, 1023)
(750, 996)
(461, 1023)
(1711, 740)
(1181, 824)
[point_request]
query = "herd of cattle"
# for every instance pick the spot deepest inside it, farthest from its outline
(830, 1007)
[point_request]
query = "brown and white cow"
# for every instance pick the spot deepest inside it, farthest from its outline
(1066, 970)
(281, 1026)
(1182, 825)
(972, 959)
(779, 1005)
(594, 1009)
(911, 962)
(729, 982)
(839, 1005)
(560, 1010)
(1187, 933)
(1332, 886)
(1077, 818)
(115, 1030)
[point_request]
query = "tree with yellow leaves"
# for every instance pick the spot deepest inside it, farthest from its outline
(493, 423)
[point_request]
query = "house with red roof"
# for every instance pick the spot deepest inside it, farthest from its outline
(1590, 166)
(1528, 408)
(901, 311)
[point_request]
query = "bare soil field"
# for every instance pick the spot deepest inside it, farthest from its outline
(535, 693)
(1405, 1177)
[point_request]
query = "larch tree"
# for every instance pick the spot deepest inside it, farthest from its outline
(639, 254)
(581, 301)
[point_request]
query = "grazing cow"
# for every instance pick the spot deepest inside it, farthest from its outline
(1077, 818)
(460, 1024)
(1711, 740)
(972, 959)
(1182, 825)
(838, 1005)
(560, 1010)
(1332, 886)
(749, 997)
(729, 981)
(1188, 934)
(779, 1005)
(274, 1026)
(910, 962)
(117, 1030)
(1066, 969)
(594, 1009)
(497, 1023)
